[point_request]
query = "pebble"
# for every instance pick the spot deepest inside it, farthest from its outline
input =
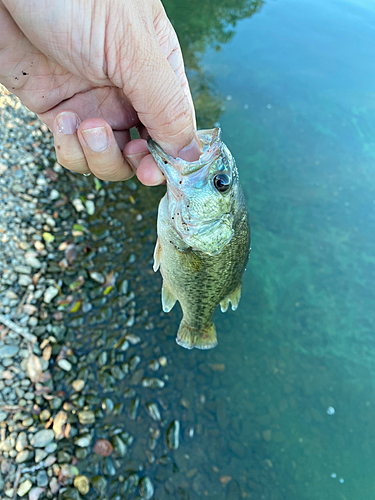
(83, 441)
(146, 488)
(65, 365)
(50, 294)
(21, 441)
(173, 435)
(90, 207)
(24, 280)
(23, 456)
(24, 488)
(78, 385)
(8, 351)
(41, 438)
(82, 484)
(86, 417)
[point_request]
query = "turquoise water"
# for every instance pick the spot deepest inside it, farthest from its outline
(293, 88)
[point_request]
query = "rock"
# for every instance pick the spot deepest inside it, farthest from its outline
(82, 484)
(31, 260)
(8, 351)
(86, 417)
(78, 385)
(83, 441)
(23, 269)
(3, 416)
(23, 456)
(173, 435)
(78, 205)
(24, 488)
(41, 438)
(146, 488)
(103, 448)
(90, 207)
(54, 194)
(50, 294)
(21, 441)
(267, 435)
(42, 478)
(40, 455)
(64, 364)
(24, 280)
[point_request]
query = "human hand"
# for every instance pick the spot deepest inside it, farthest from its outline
(92, 70)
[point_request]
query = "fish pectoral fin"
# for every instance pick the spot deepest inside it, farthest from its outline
(235, 296)
(157, 255)
(224, 304)
(189, 337)
(168, 300)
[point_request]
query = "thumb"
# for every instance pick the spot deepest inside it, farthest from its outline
(160, 95)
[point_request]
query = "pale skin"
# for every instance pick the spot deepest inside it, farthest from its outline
(94, 69)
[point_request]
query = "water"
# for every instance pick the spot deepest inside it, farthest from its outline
(283, 408)
(296, 83)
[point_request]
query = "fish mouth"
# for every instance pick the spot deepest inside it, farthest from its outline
(210, 141)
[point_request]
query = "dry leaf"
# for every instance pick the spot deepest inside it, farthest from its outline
(34, 368)
(47, 352)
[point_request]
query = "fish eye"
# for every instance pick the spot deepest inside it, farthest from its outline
(222, 182)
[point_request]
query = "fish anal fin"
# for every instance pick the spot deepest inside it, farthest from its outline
(224, 304)
(157, 255)
(168, 300)
(190, 337)
(235, 296)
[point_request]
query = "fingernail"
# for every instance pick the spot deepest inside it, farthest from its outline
(96, 139)
(191, 152)
(135, 159)
(67, 122)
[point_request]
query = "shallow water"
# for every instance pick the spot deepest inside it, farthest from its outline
(283, 408)
(297, 85)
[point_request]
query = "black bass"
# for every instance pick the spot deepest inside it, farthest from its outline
(203, 240)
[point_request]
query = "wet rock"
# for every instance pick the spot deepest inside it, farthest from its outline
(153, 383)
(146, 488)
(82, 484)
(133, 409)
(119, 446)
(78, 385)
(103, 448)
(86, 417)
(83, 441)
(99, 483)
(173, 435)
(130, 484)
(153, 410)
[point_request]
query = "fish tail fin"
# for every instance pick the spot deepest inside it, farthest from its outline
(190, 337)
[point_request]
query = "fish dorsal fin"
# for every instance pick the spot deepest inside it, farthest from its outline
(168, 300)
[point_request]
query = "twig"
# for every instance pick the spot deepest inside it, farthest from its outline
(16, 328)
(16, 482)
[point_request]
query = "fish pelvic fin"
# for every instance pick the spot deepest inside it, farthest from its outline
(157, 255)
(168, 300)
(190, 337)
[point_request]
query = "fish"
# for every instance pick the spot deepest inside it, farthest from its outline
(203, 242)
